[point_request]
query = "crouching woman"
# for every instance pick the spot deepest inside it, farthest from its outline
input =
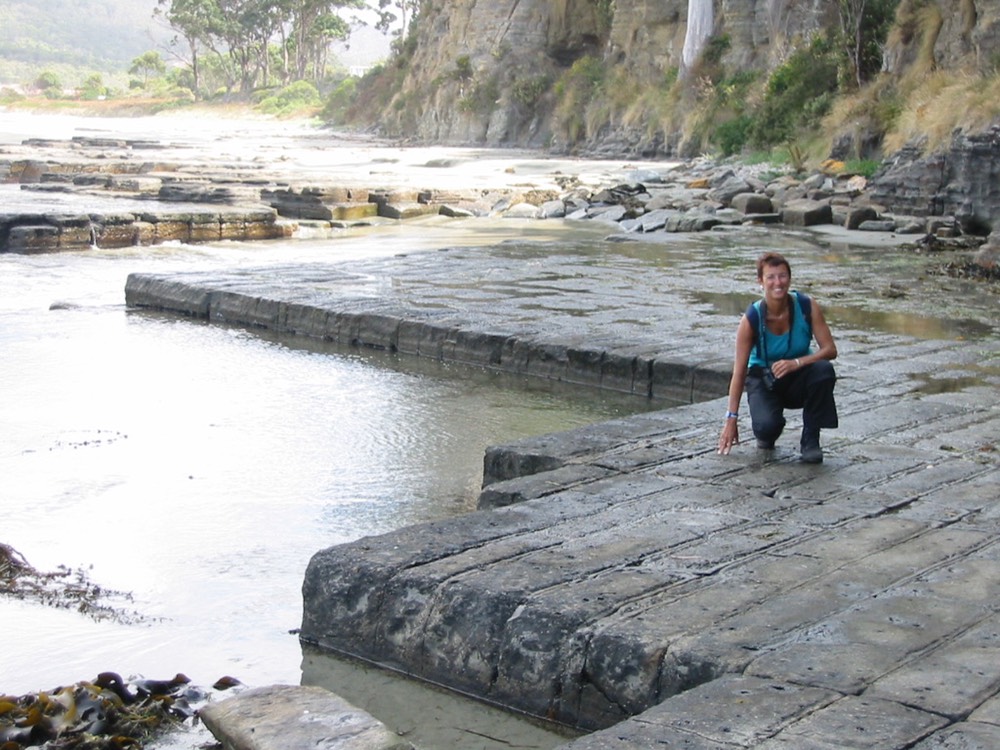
(777, 366)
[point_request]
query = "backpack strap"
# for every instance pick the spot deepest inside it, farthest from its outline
(755, 319)
(807, 308)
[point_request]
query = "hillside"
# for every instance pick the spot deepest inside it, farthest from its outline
(101, 35)
(639, 77)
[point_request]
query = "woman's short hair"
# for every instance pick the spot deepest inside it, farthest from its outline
(771, 259)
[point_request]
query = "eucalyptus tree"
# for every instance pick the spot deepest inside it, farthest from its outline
(197, 22)
(402, 11)
(249, 38)
(315, 24)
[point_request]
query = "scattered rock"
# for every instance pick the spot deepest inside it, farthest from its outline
(282, 716)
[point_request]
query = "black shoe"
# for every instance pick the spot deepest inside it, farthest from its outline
(811, 452)
(765, 445)
(812, 455)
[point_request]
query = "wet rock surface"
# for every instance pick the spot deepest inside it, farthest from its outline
(623, 577)
(194, 197)
(279, 717)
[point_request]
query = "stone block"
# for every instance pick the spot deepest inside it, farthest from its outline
(475, 347)
(145, 233)
(280, 717)
(232, 228)
(135, 184)
(205, 228)
(142, 290)
(116, 235)
(32, 239)
(806, 213)
(76, 237)
(523, 211)
(619, 373)
(172, 231)
(375, 331)
(353, 211)
(672, 380)
(854, 217)
(752, 203)
(877, 226)
(407, 210)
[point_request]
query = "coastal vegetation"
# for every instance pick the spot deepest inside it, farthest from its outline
(275, 55)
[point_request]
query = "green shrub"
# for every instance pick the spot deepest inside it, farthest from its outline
(463, 69)
(339, 101)
(48, 81)
(732, 136)
(575, 90)
(863, 167)
(527, 91)
(10, 96)
(290, 99)
(93, 87)
(715, 47)
(482, 97)
(798, 94)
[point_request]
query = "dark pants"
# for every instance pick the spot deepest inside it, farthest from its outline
(809, 388)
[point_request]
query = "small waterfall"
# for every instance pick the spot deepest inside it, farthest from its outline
(700, 21)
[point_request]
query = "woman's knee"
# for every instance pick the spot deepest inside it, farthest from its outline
(767, 427)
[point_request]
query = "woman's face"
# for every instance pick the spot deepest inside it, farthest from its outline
(775, 281)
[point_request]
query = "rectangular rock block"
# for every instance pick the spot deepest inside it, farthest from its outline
(475, 347)
(672, 380)
(545, 360)
(353, 211)
(375, 331)
(172, 231)
(32, 239)
(142, 290)
(279, 717)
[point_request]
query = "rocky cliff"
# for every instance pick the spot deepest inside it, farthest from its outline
(616, 77)
(488, 71)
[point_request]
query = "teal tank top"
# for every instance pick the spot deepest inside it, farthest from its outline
(789, 345)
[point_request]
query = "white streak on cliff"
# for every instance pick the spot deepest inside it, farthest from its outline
(700, 21)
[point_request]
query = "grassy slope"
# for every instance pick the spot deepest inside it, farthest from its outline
(83, 35)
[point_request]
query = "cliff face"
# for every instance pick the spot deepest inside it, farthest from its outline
(472, 48)
(485, 71)
(503, 72)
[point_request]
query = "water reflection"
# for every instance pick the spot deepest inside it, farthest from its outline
(200, 467)
(840, 317)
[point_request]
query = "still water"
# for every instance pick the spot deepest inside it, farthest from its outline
(199, 467)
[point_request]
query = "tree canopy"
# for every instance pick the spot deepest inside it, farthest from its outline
(255, 43)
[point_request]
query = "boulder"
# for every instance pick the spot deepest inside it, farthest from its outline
(523, 211)
(32, 239)
(885, 225)
(553, 209)
(855, 217)
(654, 220)
(407, 210)
(728, 189)
(806, 213)
(454, 212)
(608, 213)
(281, 717)
(752, 203)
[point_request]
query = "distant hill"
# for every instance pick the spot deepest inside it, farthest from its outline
(107, 35)
(104, 35)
